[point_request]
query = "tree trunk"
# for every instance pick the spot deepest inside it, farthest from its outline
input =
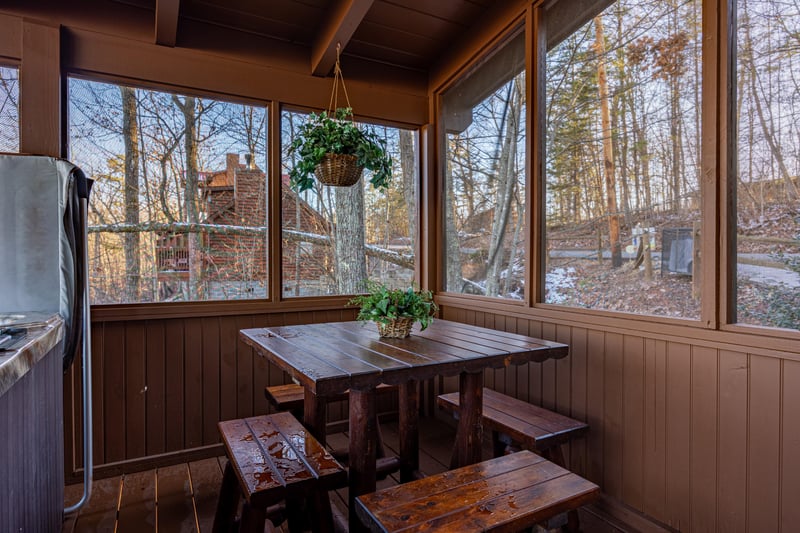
(506, 185)
(766, 128)
(453, 278)
(350, 254)
(191, 183)
(608, 151)
(408, 167)
(131, 241)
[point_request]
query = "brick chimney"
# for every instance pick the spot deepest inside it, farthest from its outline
(231, 165)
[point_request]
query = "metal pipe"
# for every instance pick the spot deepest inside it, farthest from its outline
(88, 465)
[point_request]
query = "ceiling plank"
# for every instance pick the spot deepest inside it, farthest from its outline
(338, 28)
(167, 22)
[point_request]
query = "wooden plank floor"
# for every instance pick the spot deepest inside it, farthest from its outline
(183, 497)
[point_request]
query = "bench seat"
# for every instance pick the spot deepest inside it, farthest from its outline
(271, 459)
(291, 397)
(521, 423)
(507, 493)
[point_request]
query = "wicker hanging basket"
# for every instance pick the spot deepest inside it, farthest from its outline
(339, 170)
(396, 329)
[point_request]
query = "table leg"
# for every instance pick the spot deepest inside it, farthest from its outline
(315, 414)
(409, 430)
(469, 436)
(363, 439)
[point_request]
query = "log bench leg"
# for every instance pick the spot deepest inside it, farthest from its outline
(253, 519)
(228, 502)
(409, 431)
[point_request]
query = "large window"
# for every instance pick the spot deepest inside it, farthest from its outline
(336, 238)
(178, 210)
(9, 109)
(768, 185)
(483, 118)
(622, 138)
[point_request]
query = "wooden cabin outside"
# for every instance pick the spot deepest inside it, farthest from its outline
(692, 417)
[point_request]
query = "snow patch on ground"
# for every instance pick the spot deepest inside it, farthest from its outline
(557, 280)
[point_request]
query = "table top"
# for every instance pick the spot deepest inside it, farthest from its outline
(330, 358)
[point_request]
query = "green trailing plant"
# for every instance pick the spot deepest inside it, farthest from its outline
(323, 134)
(383, 305)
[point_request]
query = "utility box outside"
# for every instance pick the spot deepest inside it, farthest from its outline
(677, 251)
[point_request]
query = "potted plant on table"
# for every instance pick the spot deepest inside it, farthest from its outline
(336, 151)
(395, 310)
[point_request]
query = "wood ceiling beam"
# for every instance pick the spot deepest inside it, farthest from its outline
(339, 26)
(167, 22)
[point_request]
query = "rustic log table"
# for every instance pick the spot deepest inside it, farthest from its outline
(330, 358)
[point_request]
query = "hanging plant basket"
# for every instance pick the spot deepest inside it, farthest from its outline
(339, 170)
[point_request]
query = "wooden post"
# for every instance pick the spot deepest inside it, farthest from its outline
(315, 411)
(409, 430)
(469, 435)
(363, 436)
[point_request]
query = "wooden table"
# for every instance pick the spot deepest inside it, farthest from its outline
(330, 358)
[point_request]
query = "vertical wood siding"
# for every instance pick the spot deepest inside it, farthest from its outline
(697, 438)
(161, 386)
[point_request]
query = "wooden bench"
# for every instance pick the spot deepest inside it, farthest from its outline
(515, 422)
(507, 493)
(291, 397)
(273, 459)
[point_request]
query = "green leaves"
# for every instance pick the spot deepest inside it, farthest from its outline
(383, 304)
(338, 134)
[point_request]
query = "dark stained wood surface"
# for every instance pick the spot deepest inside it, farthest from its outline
(333, 357)
(533, 427)
(204, 476)
(275, 457)
(509, 493)
(330, 358)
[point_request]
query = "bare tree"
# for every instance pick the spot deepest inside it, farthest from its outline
(608, 151)
(130, 136)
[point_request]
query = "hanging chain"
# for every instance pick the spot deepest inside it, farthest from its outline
(338, 79)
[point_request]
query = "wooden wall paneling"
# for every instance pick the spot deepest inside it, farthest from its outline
(595, 387)
(549, 370)
(73, 416)
(578, 351)
(614, 417)
(155, 408)
(264, 374)
(790, 446)
(535, 369)
(633, 396)
(193, 382)
(732, 442)
(564, 371)
(114, 422)
(211, 392)
(245, 392)
(98, 400)
(763, 465)
(654, 498)
(511, 380)
(703, 460)
(135, 390)
(175, 378)
(71, 428)
(228, 373)
(678, 434)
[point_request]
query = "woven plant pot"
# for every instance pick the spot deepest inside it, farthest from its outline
(396, 329)
(339, 170)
